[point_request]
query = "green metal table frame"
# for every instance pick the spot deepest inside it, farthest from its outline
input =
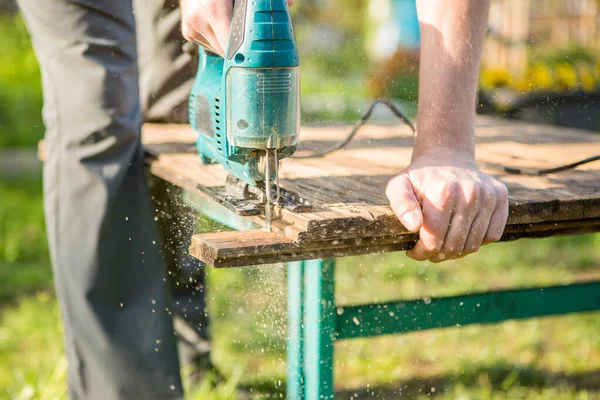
(315, 323)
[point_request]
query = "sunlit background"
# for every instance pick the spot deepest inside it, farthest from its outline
(541, 64)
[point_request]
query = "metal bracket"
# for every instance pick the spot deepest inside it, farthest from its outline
(246, 200)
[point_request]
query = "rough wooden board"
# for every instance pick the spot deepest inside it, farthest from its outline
(347, 187)
(254, 247)
(258, 247)
(351, 214)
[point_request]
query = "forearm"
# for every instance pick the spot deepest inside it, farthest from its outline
(452, 34)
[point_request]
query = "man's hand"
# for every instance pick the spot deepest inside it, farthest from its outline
(442, 195)
(454, 207)
(206, 22)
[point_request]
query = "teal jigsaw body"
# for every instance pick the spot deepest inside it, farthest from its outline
(248, 101)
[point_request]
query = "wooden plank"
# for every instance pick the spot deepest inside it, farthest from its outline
(347, 187)
(351, 214)
(254, 247)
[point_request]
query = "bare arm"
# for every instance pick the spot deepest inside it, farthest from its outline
(452, 34)
(442, 195)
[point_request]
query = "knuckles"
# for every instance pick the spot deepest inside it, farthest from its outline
(475, 195)
(488, 197)
(445, 194)
(502, 192)
(195, 15)
(471, 193)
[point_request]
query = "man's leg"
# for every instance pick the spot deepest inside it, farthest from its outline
(108, 269)
(166, 78)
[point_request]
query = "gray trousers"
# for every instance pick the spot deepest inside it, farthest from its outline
(106, 65)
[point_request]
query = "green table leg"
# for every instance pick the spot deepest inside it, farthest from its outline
(319, 328)
(295, 351)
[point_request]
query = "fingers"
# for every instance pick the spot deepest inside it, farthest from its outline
(461, 207)
(477, 233)
(482, 221)
(404, 203)
(459, 231)
(207, 22)
(437, 213)
(221, 23)
(459, 223)
(207, 39)
(499, 217)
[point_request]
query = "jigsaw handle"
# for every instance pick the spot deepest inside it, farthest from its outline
(236, 31)
(262, 35)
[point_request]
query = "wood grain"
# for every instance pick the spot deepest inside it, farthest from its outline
(347, 188)
(254, 247)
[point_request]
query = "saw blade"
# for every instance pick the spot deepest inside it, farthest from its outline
(271, 170)
(268, 163)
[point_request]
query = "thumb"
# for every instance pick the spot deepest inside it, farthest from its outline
(404, 203)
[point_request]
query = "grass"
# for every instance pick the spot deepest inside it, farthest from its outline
(22, 239)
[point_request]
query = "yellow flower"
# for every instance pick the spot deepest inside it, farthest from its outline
(541, 77)
(521, 84)
(566, 76)
(492, 78)
(587, 79)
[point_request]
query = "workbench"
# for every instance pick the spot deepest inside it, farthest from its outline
(350, 215)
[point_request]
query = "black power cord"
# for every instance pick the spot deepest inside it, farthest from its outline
(398, 113)
(538, 172)
(363, 120)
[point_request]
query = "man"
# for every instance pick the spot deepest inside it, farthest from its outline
(109, 270)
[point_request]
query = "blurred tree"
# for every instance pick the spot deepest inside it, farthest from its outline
(393, 44)
(331, 39)
(332, 34)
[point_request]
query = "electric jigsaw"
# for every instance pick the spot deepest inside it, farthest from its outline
(245, 107)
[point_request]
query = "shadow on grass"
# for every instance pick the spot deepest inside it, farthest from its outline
(498, 377)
